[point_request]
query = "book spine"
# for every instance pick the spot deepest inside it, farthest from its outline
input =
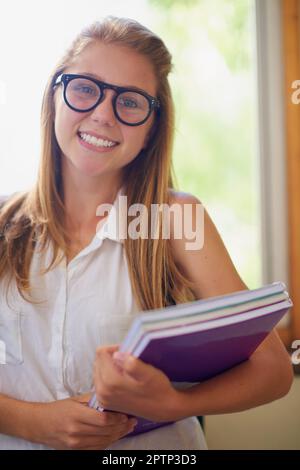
(93, 403)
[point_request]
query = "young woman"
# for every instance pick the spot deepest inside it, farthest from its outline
(70, 288)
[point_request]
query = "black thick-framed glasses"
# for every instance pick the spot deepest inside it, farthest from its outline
(83, 93)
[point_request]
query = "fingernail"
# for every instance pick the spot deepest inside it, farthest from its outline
(119, 356)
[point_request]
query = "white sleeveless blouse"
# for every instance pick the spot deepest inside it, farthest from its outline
(50, 347)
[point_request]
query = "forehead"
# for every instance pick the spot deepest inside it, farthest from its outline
(117, 65)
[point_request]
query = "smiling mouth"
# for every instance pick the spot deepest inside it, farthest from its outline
(96, 142)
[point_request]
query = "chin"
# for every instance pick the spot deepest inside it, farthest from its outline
(89, 172)
(90, 167)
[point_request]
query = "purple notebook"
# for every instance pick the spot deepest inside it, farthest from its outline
(194, 348)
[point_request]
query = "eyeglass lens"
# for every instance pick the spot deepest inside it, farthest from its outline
(131, 107)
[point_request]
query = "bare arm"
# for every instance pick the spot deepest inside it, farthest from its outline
(62, 424)
(127, 384)
(268, 374)
(15, 416)
(253, 383)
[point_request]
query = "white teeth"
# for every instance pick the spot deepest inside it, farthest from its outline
(97, 142)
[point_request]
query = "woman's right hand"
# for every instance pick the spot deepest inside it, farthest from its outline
(70, 424)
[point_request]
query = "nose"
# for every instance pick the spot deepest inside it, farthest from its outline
(104, 112)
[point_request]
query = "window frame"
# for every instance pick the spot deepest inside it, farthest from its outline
(272, 132)
(290, 10)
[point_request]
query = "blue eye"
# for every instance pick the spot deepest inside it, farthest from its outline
(127, 102)
(85, 89)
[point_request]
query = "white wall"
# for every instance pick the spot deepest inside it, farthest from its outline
(273, 426)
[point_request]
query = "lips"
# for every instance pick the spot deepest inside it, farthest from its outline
(87, 144)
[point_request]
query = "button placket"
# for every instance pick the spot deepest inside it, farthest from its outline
(56, 354)
(70, 271)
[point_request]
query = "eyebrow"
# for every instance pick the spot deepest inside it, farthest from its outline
(97, 77)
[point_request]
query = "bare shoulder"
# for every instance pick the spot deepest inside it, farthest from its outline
(207, 262)
(180, 197)
(213, 272)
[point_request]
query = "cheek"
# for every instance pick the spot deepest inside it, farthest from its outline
(135, 141)
(65, 123)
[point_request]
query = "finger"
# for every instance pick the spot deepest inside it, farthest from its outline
(134, 367)
(111, 440)
(107, 349)
(102, 418)
(113, 348)
(104, 366)
(85, 398)
(90, 430)
(106, 370)
(93, 442)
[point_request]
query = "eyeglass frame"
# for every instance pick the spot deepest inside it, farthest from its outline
(66, 78)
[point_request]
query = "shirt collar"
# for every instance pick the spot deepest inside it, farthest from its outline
(114, 225)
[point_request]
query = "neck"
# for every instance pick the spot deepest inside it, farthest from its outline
(82, 196)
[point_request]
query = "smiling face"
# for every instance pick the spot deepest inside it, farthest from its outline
(119, 66)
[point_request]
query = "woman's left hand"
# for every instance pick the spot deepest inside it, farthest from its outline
(127, 384)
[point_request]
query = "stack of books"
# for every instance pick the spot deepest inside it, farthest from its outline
(194, 341)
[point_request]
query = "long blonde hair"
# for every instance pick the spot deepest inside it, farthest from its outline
(39, 213)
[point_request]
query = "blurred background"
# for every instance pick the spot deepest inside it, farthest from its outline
(231, 149)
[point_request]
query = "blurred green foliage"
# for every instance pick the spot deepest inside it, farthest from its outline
(171, 3)
(214, 87)
(228, 32)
